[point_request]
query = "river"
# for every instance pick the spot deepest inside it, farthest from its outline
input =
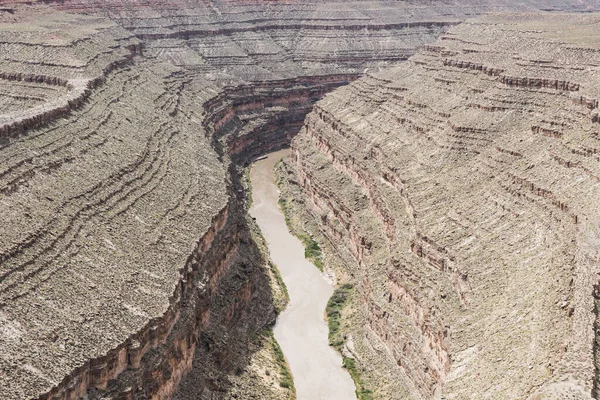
(301, 329)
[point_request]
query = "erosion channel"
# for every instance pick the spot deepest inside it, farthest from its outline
(301, 329)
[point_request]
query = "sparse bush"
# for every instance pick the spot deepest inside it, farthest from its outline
(286, 380)
(333, 310)
(361, 392)
(275, 271)
(312, 250)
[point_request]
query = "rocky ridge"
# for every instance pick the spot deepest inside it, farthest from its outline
(461, 189)
(125, 256)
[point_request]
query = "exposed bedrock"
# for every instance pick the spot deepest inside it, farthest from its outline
(253, 119)
(125, 257)
(465, 185)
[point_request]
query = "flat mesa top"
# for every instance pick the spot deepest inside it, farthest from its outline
(100, 209)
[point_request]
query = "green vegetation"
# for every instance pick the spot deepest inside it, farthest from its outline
(334, 313)
(264, 339)
(312, 250)
(333, 310)
(279, 305)
(361, 392)
(285, 209)
(286, 380)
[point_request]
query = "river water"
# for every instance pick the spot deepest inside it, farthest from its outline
(301, 329)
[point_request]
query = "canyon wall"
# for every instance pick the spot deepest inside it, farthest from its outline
(462, 189)
(126, 260)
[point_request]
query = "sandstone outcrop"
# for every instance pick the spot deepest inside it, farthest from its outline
(125, 257)
(462, 189)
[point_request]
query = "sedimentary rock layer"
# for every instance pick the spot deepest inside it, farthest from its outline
(465, 185)
(118, 124)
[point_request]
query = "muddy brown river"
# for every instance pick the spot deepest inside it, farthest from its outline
(301, 329)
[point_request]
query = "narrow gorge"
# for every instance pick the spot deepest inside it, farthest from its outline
(470, 224)
(301, 329)
(448, 169)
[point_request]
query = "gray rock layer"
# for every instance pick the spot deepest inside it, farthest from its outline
(464, 185)
(118, 124)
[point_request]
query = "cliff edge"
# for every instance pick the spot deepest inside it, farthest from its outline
(461, 189)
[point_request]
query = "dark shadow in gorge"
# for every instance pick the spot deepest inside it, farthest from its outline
(218, 319)
(241, 309)
(226, 350)
(230, 301)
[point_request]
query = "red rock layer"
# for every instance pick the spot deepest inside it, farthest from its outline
(119, 126)
(464, 184)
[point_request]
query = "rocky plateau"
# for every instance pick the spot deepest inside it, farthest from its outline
(459, 188)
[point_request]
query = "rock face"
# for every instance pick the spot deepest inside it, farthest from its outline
(464, 186)
(124, 253)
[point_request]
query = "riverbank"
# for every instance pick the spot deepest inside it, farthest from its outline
(301, 329)
(345, 319)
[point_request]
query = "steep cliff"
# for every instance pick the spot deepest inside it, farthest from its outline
(461, 189)
(125, 255)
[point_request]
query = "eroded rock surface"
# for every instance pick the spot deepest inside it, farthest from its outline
(464, 186)
(124, 253)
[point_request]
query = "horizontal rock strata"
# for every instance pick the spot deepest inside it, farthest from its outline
(118, 124)
(465, 185)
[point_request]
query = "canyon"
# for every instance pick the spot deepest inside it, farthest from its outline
(460, 190)
(301, 329)
(453, 184)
